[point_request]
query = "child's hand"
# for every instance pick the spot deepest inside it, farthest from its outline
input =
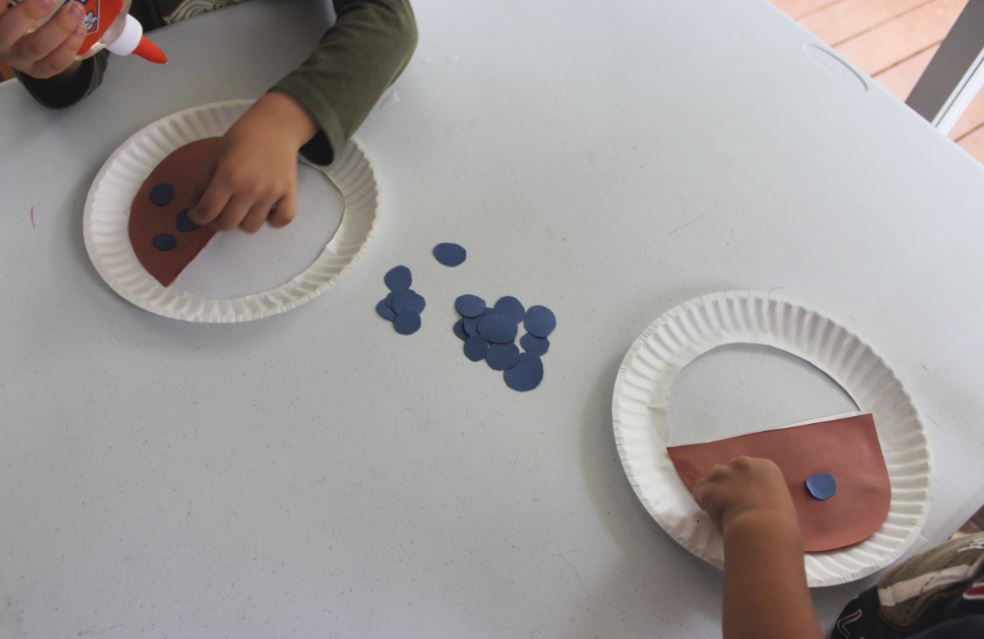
(765, 593)
(48, 51)
(252, 177)
(746, 488)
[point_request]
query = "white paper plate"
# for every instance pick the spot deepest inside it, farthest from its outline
(639, 412)
(107, 212)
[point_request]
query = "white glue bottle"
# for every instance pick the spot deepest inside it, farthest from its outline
(108, 25)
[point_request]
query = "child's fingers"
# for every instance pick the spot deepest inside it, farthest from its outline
(16, 22)
(708, 489)
(40, 44)
(210, 205)
(233, 213)
(256, 216)
(61, 58)
(283, 212)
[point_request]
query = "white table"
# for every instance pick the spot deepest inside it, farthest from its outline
(317, 474)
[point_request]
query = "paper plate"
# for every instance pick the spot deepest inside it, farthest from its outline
(107, 211)
(639, 412)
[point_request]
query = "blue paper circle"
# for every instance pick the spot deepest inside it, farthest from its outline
(470, 324)
(450, 254)
(540, 321)
(398, 278)
(534, 345)
(408, 300)
(385, 311)
(526, 374)
(161, 194)
(185, 223)
(497, 327)
(469, 305)
(476, 348)
(511, 307)
(459, 330)
(165, 241)
(417, 302)
(502, 357)
(821, 486)
(406, 323)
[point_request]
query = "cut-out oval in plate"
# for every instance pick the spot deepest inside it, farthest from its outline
(754, 388)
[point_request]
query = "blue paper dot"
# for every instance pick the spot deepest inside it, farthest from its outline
(417, 302)
(406, 323)
(526, 374)
(540, 321)
(534, 345)
(165, 241)
(185, 223)
(398, 278)
(161, 194)
(511, 307)
(821, 486)
(497, 327)
(385, 311)
(476, 348)
(389, 299)
(450, 254)
(408, 301)
(469, 305)
(459, 330)
(401, 301)
(470, 325)
(502, 357)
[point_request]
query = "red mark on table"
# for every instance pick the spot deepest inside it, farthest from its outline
(33, 224)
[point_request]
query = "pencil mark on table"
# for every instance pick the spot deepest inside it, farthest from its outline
(33, 224)
(585, 588)
(96, 631)
(694, 220)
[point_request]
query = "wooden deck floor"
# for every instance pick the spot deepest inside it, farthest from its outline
(893, 41)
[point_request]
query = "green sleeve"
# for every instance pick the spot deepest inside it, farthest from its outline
(59, 93)
(362, 54)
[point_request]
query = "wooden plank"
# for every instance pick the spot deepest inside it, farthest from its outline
(799, 8)
(846, 19)
(974, 144)
(878, 49)
(972, 118)
(900, 79)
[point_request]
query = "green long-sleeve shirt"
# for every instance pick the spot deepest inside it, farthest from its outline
(366, 49)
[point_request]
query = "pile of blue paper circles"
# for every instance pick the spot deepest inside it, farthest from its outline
(489, 333)
(402, 305)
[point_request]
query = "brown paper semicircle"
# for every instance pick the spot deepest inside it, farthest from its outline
(847, 448)
(180, 169)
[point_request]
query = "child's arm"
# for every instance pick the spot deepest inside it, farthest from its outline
(315, 109)
(765, 591)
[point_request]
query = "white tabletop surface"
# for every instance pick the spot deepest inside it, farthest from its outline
(318, 475)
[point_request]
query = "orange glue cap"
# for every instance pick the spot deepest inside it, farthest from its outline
(132, 40)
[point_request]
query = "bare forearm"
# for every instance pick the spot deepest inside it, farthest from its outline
(765, 591)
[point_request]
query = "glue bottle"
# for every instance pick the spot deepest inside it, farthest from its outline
(109, 25)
